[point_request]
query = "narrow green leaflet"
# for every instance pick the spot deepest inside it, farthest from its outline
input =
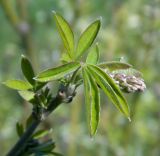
(57, 72)
(27, 95)
(107, 89)
(114, 65)
(87, 38)
(18, 84)
(93, 55)
(45, 147)
(65, 33)
(95, 105)
(41, 133)
(20, 129)
(110, 88)
(87, 94)
(92, 99)
(27, 70)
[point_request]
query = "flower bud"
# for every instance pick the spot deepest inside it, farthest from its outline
(128, 83)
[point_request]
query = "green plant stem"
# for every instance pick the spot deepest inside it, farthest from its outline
(17, 150)
(19, 146)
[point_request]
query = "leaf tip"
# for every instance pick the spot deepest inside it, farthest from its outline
(4, 83)
(23, 56)
(92, 137)
(99, 21)
(35, 78)
(129, 119)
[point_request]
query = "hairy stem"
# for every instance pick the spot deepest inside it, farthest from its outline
(17, 150)
(18, 147)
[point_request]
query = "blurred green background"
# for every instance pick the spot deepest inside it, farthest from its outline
(130, 29)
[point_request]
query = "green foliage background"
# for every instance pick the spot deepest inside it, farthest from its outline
(130, 29)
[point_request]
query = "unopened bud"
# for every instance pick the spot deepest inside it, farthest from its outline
(128, 83)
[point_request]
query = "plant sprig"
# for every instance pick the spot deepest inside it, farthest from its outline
(93, 74)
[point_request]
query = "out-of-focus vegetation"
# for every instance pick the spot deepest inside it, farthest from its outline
(130, 29)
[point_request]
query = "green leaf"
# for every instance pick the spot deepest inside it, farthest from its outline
(87, 38)
(47, 146)
(65, 33)
(114, 65)
(87, 94)
(95, 105)
(20, 129)
(57, 72)
(92, 99)
(93, 55)
(18, 84)
(27, 95)
(40, 134)
(27, 70)
(110, 88)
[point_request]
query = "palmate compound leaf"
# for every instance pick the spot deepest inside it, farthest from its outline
(110, 89)
(27, 70)
(92, 100)
(18, 84)
(93, 55)
(57, 72)
(87, 38)
(66, 33)
(114, 65)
